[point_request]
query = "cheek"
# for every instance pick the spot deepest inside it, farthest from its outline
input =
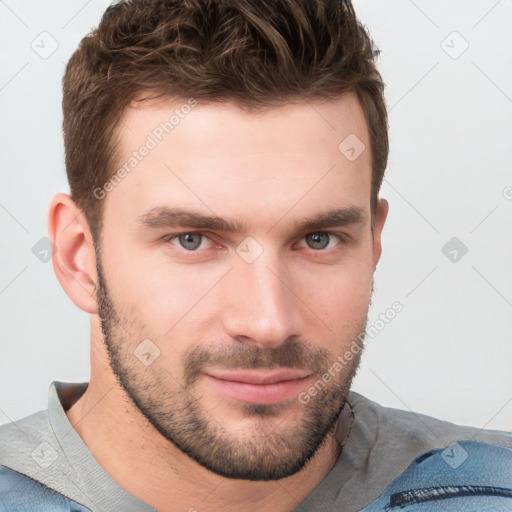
(164, 298)
(338, 296)
(342, 300)
(149, 289)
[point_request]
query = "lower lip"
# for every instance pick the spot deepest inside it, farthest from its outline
(259, 393)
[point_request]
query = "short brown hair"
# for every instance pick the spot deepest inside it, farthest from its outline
(258, 54)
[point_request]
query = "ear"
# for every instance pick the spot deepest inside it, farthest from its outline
(380, 218)
(74, 259)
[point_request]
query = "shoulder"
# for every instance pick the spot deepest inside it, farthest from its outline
(20, 493)
(466, 475)
(34, 471)
(388, 445)
(29, 446)
(381, 425)
(30, 451)
(20, 439)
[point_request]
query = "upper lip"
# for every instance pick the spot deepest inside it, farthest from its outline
(258, 377)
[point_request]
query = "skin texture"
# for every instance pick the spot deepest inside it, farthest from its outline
(299, 304)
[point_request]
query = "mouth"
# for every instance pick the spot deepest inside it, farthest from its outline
(258, 387)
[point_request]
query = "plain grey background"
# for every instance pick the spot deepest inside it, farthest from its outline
(447, 66)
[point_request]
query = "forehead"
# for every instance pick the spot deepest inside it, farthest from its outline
(166, 120)
(256, 166)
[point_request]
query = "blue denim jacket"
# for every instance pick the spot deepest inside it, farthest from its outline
(20, 493)
(467, 476)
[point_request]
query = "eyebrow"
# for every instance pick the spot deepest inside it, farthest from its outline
(176, 217)
(338, 217)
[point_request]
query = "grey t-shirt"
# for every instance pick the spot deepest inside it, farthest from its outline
(381, 445)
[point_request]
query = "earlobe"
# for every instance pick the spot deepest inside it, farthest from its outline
(380, 218)
(74, 259)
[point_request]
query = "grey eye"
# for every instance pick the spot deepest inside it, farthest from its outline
(318, 240)
(190, 241)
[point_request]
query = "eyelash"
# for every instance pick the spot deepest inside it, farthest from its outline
(343, 238)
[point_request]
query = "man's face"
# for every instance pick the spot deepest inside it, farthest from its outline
(224, 290)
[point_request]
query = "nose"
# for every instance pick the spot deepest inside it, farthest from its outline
(261, 306)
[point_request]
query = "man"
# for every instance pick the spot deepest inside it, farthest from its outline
(224, 224)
